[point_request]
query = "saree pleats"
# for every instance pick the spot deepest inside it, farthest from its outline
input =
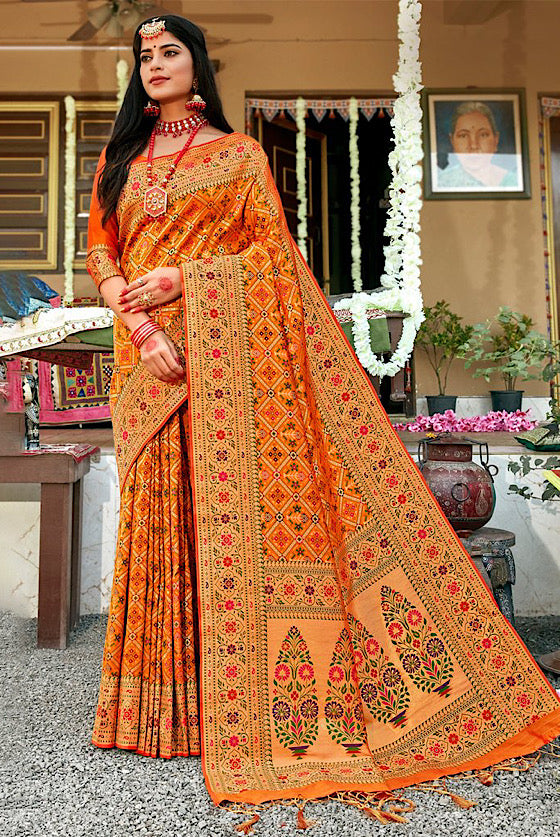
(149, 692)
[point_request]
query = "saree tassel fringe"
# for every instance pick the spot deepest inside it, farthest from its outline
(302, 823)
(247, 827)
(461, 801)
(553, 749)
(440, 787)
(386, 806)
(389, 807)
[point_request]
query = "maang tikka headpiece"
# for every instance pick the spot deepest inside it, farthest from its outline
(152, 28)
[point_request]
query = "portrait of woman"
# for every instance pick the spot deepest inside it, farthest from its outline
(475, 145)
(288, 600)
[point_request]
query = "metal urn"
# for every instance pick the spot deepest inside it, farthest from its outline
(463, 488)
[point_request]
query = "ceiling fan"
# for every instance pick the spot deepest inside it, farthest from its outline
(115, 17)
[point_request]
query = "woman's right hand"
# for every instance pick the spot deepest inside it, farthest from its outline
(160, 357)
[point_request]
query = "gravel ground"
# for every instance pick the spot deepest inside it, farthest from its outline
(53, 782)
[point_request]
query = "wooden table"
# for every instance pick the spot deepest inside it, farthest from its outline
(60, 476)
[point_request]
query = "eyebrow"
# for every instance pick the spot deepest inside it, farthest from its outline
(163, 46)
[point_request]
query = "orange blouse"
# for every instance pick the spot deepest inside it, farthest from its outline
(103, 252)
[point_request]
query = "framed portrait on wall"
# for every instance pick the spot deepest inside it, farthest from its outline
(475, 144)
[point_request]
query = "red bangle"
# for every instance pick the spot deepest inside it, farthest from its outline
(145, 330)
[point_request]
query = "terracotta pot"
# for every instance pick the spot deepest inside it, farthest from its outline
(463, 488)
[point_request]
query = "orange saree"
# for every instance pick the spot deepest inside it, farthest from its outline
(346, 639)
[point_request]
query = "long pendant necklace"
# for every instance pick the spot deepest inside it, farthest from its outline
(155, 199)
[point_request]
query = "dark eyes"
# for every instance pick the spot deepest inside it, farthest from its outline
(167, 53)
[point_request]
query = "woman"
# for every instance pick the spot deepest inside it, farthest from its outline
(474, 138)
(287, 599)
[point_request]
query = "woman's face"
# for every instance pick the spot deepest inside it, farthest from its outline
(166, 68)
(473, 134)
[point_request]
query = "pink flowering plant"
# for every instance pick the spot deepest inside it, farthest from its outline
(492, 422)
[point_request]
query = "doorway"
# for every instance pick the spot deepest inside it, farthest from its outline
(328, 191)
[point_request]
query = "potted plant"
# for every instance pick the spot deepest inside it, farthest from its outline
(514, 350)
(443, 338)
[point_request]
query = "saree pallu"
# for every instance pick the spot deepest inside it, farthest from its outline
(346, 639)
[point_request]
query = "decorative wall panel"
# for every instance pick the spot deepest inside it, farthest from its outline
(29, 184)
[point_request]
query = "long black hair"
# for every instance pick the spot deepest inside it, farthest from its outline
(132, 127)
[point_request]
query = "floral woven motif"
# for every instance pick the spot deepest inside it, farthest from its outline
(294, 705)
(343, 709)
(421, 651)
(309, 518)
(381, 683)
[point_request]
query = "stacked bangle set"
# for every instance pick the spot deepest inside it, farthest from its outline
(144, 330)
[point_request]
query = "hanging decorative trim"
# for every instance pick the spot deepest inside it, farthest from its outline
(401, 280)
(550, 107)
(301, 184)
(356, 250)
(69, 200)
(122, 80)
(270, 108)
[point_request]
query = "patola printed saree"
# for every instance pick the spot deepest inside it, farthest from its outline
(346, 640)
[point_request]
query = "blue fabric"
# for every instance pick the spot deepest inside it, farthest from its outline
(21, 295)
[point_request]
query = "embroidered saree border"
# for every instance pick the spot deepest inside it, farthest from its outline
(231, 492)
(144, 405)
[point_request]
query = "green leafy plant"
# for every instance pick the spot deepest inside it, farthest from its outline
(512, 347)
(550, 374)
(526, 466)
(443, 338)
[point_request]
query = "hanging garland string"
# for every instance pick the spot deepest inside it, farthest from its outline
(122, 80)
(69, 199)
(356, 250)
(301, 184)
(401, 280)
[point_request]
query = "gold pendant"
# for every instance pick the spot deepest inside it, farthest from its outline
(155, 201)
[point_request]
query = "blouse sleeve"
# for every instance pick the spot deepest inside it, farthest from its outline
(103, 252)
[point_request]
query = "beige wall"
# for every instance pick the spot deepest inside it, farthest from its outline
(477, 254)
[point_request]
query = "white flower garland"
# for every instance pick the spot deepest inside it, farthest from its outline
(401, 280)
(122, 80)
(356, 250)
(301, 186)
(69, 199)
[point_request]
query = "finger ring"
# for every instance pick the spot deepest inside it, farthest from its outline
(141, 281)
(147, 299)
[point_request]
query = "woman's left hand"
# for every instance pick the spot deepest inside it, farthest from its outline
(151, 290)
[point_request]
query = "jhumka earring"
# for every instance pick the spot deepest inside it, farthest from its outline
(151, 109)
(197, 103)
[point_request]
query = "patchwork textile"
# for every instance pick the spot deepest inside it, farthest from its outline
(68, 394)
(346, 639)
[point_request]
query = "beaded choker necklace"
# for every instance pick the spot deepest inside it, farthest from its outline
(177, 128)
(155, 199)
